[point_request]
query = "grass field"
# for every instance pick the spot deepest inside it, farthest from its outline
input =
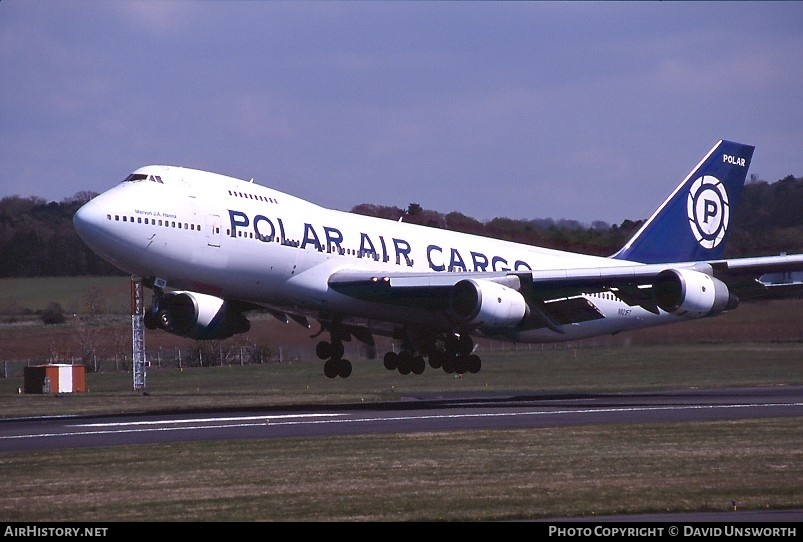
(450, 476)
(590, 369)
(74, 294)
(455, 476)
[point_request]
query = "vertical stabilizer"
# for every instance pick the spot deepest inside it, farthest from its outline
(692, 224)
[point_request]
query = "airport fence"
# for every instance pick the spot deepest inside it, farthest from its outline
(248, 352)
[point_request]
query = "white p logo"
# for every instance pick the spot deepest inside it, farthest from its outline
(708, 211)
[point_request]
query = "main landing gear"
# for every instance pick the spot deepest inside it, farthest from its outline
(332, 351)
(453, 354)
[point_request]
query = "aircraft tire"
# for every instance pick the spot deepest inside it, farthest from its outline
(149, 319)
(330, 368)
(405, 362)
(344, 368)
(418, 365)
(391, 361)
(448, 365)
(474, 364)
(323, 350)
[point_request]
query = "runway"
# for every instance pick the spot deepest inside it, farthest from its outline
(414, 413)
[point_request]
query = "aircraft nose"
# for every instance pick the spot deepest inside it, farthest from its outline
(88, 220)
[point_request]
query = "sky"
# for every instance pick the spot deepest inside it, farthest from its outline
(588, 111)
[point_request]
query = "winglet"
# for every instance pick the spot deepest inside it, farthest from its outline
(692, 224)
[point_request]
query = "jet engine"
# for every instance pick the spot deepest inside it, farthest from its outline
(486, 304)
(197, 316)
(692, 294)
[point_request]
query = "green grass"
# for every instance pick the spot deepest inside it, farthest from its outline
(453, 476)
(449, 476)
(566, 370)
(109, 294)
(484, 475)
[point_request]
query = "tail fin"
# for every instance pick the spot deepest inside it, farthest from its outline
(692, 224)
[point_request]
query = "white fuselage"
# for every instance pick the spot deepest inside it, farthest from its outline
(238, 240)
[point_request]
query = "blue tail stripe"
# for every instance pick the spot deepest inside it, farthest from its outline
(692, 224)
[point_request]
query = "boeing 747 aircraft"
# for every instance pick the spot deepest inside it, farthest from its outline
(213, 248)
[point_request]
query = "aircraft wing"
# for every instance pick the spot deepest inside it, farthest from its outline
(769, 277)
(555, 296)
(435, 291)
(749, 278)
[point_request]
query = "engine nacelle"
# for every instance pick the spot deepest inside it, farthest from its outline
(487, 304)
(198, 316)
(692, 294)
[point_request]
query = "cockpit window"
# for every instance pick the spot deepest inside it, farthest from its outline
(135, 177)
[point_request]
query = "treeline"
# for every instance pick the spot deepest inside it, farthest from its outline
(37, 237)
(767, 221)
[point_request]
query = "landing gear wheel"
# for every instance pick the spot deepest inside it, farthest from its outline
(323, 350)
(149, 319)
(391, 361)
(436, 360)
(331, 368)
(461, 364)
(405, 362)
(448, 365)
(474, 364)
(418, 365)
(332, 351)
